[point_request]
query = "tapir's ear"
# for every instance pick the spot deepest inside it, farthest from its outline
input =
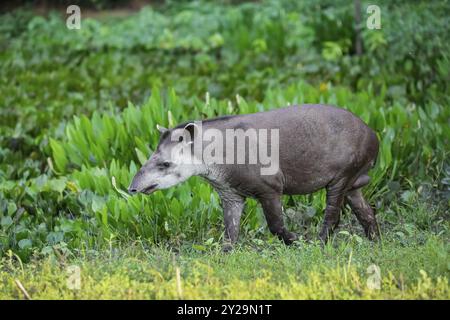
(161, 129)
(192, 129)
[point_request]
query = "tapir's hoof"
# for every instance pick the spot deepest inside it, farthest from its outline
(372, 232)
(289, 237)
(227, 247)
(324, 236)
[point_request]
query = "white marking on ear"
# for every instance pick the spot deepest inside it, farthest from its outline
(161, 129)
(195, 130)
(191, 124)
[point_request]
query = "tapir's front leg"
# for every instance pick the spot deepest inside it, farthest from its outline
(273, 211)
(232, 205)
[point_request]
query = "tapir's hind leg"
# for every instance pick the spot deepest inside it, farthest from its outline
(363, 212)
(335, 198)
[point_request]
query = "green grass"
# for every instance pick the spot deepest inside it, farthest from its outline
(413, 263)
(262, 270)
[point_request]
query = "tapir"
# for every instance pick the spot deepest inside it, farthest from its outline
(317, 146)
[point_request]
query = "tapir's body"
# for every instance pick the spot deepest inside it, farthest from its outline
(319, 147)
(318, 144)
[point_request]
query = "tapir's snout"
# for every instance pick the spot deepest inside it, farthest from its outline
(139, 185)
(132, 190)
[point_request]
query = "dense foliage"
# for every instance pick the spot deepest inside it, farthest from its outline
(79, 108)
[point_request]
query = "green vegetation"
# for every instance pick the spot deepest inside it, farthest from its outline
(258, 270)
(78, 115)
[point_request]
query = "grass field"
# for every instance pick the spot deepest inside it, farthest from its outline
(252, 271)
(412, 264)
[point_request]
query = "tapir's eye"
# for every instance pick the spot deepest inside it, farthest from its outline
(164, 165)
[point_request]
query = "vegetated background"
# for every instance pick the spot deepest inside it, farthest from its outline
(79, 110)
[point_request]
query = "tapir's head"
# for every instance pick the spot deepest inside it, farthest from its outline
(171, 163)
